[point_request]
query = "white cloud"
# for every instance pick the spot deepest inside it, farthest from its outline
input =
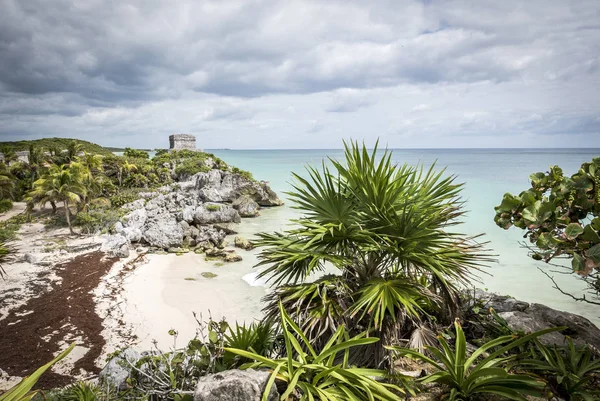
(273, 74)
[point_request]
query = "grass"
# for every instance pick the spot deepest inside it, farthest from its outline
(212, 208)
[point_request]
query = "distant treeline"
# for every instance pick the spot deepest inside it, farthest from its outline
(56, 144)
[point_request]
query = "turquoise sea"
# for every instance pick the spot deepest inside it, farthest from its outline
(487, 174)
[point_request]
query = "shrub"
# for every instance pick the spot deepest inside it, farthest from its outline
(572, 372)
(243, 173)
(5, 205)
(561, 218)
(123, 198)
(136, 154)
(326, 375)
(469, 377)
(98, 219)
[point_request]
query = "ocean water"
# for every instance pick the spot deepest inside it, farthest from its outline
(487, 174)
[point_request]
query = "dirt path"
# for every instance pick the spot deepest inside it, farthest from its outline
(34, 332)
(18, 208)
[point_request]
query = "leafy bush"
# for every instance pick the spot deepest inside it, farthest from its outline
(123, 198)
(9, 228)
(469, 377)
(561, 218)
(5, 205)
(326, 375)
(97, 219)
(243, 173)
(136, 154)
(572, 372)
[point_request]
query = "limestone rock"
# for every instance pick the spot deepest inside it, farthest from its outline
(211, 235)
(246, 206)
(231, 257)
(132, 234)
(228, 228)
(163, 232)
(116, 245)
(135, 219)
(522, 316)
(234, 385)
(210, 213)
(137, 204)
(242, 243)
(116, 371)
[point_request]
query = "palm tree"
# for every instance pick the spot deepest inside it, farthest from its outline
(60, 184)
(73, 150)
(387, 229)
(6, 256)
(9, 154)
(92, 162)
(124, 167)
(7, 185)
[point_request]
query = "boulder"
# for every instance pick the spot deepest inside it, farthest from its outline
(243, 243)
(523, 316)
(246, 206)
(116, 245)
(224, 186)
(210, 213)
(117, 370)
(136, 204)
(231, 257)
(135, 219)
(187, 214)
(163, 232)
(210, 237)
(234, 385)
(33, 258)
(132, 234)
(229, 228)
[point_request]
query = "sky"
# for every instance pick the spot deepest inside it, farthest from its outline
(302, 74)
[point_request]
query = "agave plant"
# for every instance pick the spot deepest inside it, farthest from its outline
(388, 231)
(469, 376)
(22, 391)
(325, 375)
(570, 370)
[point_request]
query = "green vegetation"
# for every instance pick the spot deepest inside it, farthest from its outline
(571, 372)
(55, 144)
(212, 207)
(385, 228)
(468, 376)
(561, 218)
(5, 205)
(208, 275)
(326, 374)
(6, 256)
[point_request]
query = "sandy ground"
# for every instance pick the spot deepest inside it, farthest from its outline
(18, 208)
(164, 293)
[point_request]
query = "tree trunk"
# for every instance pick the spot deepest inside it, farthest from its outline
(68, 216)
(53, 204)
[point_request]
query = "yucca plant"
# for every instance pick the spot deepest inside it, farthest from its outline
(82, 391)
(325, 375)
(572, 372)
(388, 230)
(484, 371)
(22, 391)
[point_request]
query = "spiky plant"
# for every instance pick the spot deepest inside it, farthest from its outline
(388, 229)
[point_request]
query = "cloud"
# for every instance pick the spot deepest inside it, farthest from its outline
(123, 71)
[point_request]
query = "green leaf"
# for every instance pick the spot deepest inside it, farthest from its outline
(589, 234)
(594, 253)
(573, 230)
(213, 337)
(578, 263)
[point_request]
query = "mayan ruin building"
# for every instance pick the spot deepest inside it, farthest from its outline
(182, 141)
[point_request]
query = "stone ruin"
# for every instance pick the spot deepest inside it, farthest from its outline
(182, 141)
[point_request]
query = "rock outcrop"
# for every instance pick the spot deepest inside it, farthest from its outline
(523, 316)
(234, 385)
(195, 214)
